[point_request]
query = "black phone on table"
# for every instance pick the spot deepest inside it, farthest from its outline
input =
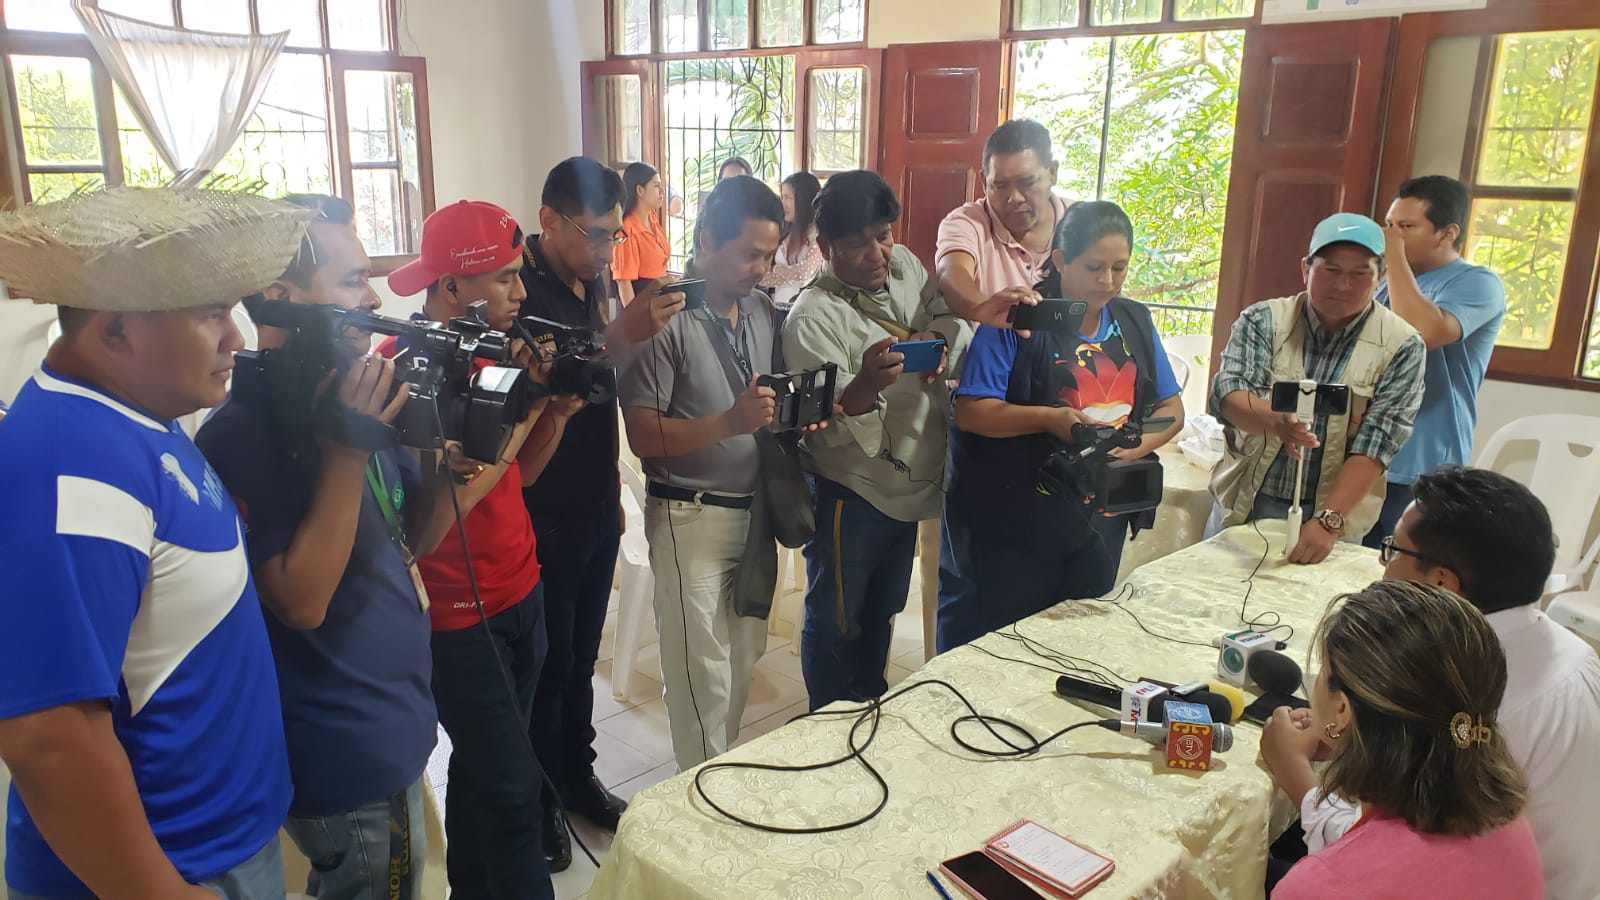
(980, 877)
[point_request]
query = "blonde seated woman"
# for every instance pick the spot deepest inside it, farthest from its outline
(1405, 710)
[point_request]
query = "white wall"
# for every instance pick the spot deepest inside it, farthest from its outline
(931, 21)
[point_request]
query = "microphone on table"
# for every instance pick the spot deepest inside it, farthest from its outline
(1159, 732)
(1189, 736)
(1146, 700)
(1274, 672)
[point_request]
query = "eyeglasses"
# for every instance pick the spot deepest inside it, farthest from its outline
(599, 238)
(1387, 551)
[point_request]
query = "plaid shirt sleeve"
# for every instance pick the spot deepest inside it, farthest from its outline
(1395, 400)
(1247, 360)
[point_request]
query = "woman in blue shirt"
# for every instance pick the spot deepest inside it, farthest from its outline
(1019, 399)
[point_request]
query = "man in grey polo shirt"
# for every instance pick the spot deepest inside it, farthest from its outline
(694, 435)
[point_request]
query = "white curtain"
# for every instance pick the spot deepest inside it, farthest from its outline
(192, 91)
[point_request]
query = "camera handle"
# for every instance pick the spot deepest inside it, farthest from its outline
(1305, 411)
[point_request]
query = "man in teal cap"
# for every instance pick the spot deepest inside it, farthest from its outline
(1331, 333)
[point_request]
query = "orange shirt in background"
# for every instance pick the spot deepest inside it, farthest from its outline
(644, 254)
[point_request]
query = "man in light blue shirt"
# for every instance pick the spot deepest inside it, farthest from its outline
(1457, 307)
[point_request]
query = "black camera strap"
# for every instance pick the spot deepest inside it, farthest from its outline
(735, 361)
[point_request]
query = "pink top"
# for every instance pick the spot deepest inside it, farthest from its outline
(1383, 858)
(1001, 262)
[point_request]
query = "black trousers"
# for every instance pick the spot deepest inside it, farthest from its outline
(492, 810)
(577, 559)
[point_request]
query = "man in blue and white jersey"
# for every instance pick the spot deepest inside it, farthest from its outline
(139, 710)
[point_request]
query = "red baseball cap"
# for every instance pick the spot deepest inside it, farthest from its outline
(465, 238)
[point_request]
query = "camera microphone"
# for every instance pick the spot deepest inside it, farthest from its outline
(1147, 699)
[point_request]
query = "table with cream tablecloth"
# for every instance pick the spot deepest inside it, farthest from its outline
(1171, 833)
(1180, 520)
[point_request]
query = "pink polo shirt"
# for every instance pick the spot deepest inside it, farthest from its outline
(1383, 859)
(1002, 263)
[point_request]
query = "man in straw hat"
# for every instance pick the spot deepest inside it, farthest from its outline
(138, 703)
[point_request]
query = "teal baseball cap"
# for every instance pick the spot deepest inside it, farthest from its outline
(1347, 228)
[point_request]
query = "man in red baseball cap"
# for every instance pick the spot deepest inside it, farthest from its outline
(469, 248)
(471, 252)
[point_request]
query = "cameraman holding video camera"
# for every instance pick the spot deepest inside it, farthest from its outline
(1025, 401)
(472, 252)
(881, 470)
(332, 525)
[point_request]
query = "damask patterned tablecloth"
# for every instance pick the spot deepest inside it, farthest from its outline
(1180, 520)
(1171, 833)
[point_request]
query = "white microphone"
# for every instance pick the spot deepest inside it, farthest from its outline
(1156, 732)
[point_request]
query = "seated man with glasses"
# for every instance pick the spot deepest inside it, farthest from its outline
(1487, 538)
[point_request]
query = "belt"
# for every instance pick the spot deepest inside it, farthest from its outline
(703, 498)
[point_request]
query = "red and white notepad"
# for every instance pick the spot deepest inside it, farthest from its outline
(1048, 860)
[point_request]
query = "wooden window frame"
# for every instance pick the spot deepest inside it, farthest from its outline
(1168, 24)
(13, 176)
(704, 51)
(1562, 363)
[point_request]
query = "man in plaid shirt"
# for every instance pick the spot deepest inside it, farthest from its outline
(1331, 333)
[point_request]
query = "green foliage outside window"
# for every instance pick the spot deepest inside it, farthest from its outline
(1166, 153)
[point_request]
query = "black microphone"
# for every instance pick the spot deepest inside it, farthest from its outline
(1274, 672)
(1111, 698)
(1089, 692)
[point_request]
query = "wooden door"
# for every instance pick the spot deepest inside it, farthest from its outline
(940, 101)
(1306, 145)
(838, 93)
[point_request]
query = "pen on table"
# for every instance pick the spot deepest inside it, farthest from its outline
(938, 887)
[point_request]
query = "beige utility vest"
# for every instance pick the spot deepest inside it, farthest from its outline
(1246, 457)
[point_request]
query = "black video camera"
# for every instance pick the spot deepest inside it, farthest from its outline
(580, 368)
(803, 398)
(1086, 471)
(451, 398)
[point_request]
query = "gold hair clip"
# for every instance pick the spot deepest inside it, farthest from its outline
(1465, 733)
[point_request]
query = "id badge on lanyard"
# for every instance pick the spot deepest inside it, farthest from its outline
(390, 505)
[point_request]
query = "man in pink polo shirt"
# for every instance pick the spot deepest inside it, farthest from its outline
(990, 251)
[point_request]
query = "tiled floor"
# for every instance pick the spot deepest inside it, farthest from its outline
(634, 749)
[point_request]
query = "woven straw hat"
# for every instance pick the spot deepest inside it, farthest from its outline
(142, 250)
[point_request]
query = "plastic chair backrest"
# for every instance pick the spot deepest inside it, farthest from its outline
(1195, 351)
(635, 545)
(1180, 370)
(1567, 483)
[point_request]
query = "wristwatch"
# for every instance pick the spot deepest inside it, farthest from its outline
(1331, 519)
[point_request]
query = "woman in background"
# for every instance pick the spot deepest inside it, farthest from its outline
(733, 167)
(798, 258)
(1020, 400)
(642, 256)
(1405, 707)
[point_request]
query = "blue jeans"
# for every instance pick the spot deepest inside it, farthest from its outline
(858, 573)
(258, 878)
(353, 855)
(577, 558)
(1002, 581)
(1395, 500)
(492, 809)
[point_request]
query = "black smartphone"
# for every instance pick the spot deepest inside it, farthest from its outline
(981, 877)
(1332, 399)
(1063, 316)
(1261, 710)
(692, 289)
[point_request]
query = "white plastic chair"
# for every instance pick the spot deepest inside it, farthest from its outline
(1579, 612)
(1567, 483)
(636, 586)
(1195, 352)
(1180, 370)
